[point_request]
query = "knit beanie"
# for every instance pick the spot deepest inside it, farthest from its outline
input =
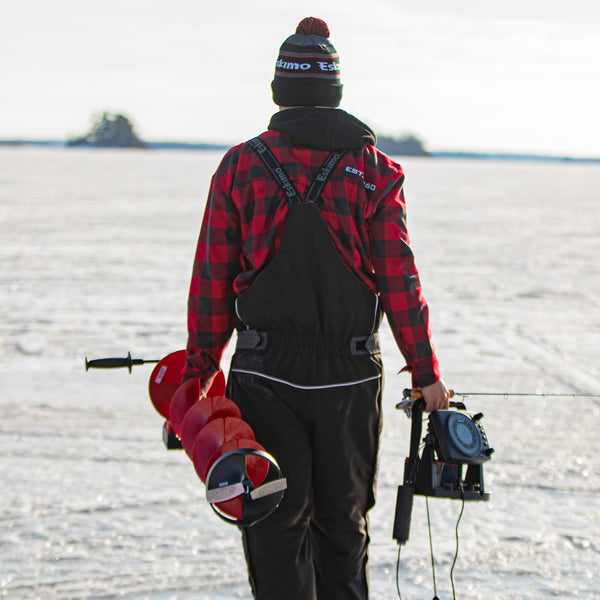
(307, 72)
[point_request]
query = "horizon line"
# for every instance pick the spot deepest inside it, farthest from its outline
(178, 145)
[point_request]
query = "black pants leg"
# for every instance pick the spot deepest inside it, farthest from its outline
(325, 441)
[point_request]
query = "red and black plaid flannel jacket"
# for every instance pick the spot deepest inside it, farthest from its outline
(364, 207)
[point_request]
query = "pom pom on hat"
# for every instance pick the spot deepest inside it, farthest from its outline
(307, 72)
(312, 25)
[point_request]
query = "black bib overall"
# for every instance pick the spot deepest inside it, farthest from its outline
(307, 377)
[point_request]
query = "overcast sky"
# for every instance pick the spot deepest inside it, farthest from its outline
(515, 75)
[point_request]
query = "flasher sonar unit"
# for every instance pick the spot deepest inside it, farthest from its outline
(455, 449)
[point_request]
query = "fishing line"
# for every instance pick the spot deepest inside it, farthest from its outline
(462, 508)
(398, 573)
(421, 446)
(435, 596)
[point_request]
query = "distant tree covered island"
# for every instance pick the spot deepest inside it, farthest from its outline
(408, 145)
(109, 130)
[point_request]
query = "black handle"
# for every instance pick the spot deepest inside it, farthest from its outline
(112, 363)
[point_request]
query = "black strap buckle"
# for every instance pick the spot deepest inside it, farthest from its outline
(362, 345)
(250, 339)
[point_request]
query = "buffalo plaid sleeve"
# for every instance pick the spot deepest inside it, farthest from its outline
(211, 301)
(399, 285)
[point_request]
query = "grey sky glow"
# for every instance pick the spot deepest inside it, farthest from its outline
(520, 76)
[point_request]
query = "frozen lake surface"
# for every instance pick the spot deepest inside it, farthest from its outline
(96, 252)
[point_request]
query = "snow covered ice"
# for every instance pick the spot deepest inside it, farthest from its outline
(96, 256)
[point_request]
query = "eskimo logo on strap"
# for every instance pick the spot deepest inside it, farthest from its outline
(276, 170)
(283, 179)
(321, 179)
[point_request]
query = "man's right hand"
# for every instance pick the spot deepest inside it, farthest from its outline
(436, 396)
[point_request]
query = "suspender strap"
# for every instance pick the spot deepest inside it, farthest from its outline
(276, 170)
(322, 178)
(282, 178)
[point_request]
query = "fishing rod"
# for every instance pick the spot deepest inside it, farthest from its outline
(411, 395)
(415, 393)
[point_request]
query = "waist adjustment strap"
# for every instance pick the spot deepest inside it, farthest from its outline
(365, 345)
(250, 339)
